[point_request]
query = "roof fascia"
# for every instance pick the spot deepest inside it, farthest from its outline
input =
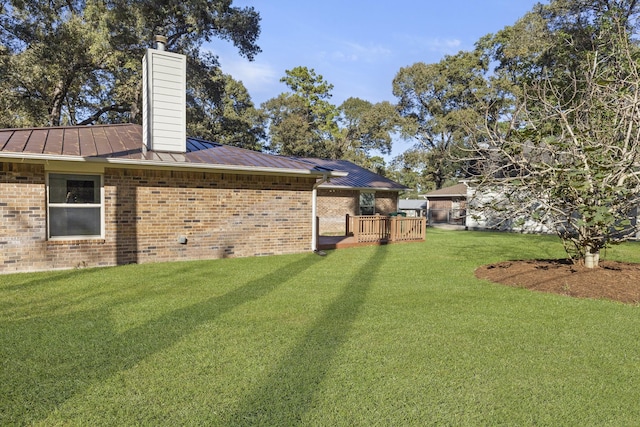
(150, 164)
(346, 187)
(446, 195)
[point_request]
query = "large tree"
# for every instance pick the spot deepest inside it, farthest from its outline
(79, 62)
(436, 100)
(302, 122)
(567, 152)
(412, 169)
(366, 128)
(220, 109)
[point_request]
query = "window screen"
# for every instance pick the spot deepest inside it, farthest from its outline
(75, 207)
(367, 203)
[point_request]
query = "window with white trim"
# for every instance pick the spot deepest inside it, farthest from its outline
(74, 205)
(367, 203)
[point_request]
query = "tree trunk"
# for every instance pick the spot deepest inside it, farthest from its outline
(56, 105)
(591, 258)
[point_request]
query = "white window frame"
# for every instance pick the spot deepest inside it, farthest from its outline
(75, 206)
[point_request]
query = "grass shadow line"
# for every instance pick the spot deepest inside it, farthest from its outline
(75, 351)
(288, 393)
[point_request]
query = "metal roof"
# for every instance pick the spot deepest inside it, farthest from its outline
(357, 178)
(458, 190)
(412, 204)
(122, 144)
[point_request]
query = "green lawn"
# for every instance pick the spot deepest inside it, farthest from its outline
(393, 335)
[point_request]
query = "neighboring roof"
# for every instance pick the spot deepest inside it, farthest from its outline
(122, 144)
(357, 178)
(416, 204)
(458, 190)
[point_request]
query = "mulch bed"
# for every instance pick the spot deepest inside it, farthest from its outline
(612, 280)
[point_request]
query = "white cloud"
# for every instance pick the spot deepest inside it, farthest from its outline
(355, 52)
(433, 44)
(443, 45)
(250, 73)
(257, 76)
(260, 78)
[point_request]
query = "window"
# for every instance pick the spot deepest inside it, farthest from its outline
(367, 203)
(75, 205)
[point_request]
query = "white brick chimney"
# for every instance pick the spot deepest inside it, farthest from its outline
(164, 92)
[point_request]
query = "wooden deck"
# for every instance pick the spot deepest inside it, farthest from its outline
(339, 242)
(375, 231)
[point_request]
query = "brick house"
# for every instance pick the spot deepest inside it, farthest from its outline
(447, 205)
(118, 194)
(360, 192)
(91, 196)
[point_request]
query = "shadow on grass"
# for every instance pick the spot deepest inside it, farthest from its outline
(289, 391)
(504, 245)
(47, 360)
(42, 279)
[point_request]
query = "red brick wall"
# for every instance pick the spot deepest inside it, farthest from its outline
(221, 215)
(440, 204)
(386, 202)
(440, 209)
(22, 217)
(334, 205)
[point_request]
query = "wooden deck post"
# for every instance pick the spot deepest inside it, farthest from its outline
(356, 228)
(346, 226)
(393, 222)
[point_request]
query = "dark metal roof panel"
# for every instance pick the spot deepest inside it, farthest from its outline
(458, 190)
(53, 144)
(358, 177)
(125, 142)
(17, 142)
(37, 141)
(412, 204)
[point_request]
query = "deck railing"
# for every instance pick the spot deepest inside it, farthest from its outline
(380, 228)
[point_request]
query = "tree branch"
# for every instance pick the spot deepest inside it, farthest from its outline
(95, 116)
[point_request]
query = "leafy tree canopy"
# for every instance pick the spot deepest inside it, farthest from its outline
(79, 62)
(546, 114)
(437, 101)
(411, 169)
(566, 150)
(303, 122)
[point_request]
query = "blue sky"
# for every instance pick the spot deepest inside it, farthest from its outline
(358, 45)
